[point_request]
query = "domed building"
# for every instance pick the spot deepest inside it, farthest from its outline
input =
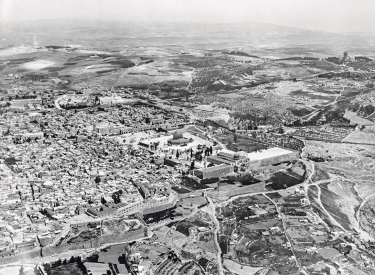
(230, 158)
(178, 138)
(178, 135)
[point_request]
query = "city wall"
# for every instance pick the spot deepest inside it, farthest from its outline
(50, 250)
(93, 243)
(124, 237)
(159, 208)
(21, 256)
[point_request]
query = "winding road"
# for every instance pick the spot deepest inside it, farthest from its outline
(326, 105)
(210, 210)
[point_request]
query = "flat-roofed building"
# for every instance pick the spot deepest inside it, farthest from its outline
(217, 171)
(271, 156)
(97, 268)
(230, 158)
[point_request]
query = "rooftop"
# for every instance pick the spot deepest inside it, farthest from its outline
(268, 153)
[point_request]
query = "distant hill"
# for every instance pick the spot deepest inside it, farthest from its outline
(110, 35)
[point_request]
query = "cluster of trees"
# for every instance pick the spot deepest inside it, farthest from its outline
(192, 183)
(210, 180)
(116, 196)
(10, 161)
(207, 151)
(6, 105)
(154, 145)
(26, 96)
(245, 179)
(49, 266)
(300, 58)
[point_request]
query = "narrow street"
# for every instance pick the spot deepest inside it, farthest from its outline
(284, 228)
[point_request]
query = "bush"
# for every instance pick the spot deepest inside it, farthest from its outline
(192, 183)
(209, 181)
(282, 180)
(246, 179)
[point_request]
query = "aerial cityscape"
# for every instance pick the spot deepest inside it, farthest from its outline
(147, 148)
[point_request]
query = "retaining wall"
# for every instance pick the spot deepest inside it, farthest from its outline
(21, 256)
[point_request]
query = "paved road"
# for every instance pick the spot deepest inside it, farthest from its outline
(57, 105)
(285, 232)
(326, 105)
(211, 211)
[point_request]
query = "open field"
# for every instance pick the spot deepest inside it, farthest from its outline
(244, 87)
(319, 174)
(28, 270)
(351, 168)
(240, 144)
(361, 137)
(330, 202)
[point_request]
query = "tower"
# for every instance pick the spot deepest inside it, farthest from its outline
(345, 57)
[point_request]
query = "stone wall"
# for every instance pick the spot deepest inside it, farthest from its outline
(93, 243)
(125, 237)
(50, 250)
(159, 208)
(171, 162)
(20, 256)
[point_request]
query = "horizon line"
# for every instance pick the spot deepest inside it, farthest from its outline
(177, 22)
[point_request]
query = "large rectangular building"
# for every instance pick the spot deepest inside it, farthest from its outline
(271, 156)
(255, 161)
(217, 171)
(229, 157)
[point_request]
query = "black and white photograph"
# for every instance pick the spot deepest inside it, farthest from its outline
(187, 137)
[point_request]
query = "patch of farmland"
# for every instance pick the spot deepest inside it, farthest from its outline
(334, 205)
(355, 119)
(312, 194)
(319, 174)
(349, 200)
(361, 137)
(367, 215)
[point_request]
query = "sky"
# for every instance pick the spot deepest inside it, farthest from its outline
(325, 15)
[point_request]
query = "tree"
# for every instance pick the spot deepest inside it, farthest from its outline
(103, 201)
(58, 263)
(192, 165)
(177, 154)
(22, 270)
(156, 144)
(47, 267)
(72, 260)
(198, 156)
(235, 138)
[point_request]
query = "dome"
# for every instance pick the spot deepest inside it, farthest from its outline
(236, 156)
(178, 134)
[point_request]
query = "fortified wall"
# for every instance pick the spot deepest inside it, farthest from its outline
(93, 243)
(36, 252)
